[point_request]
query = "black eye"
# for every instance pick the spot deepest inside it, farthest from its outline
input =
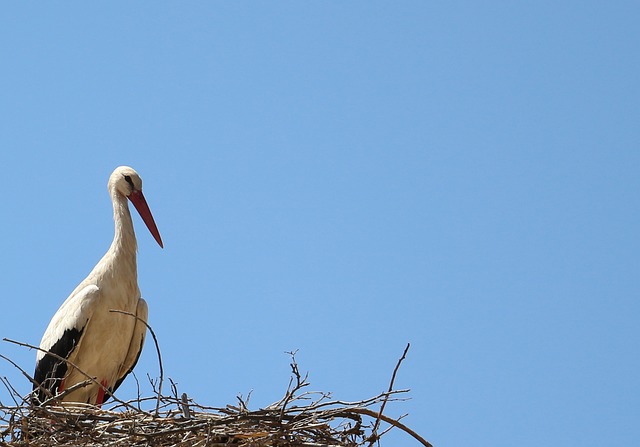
(129, 181)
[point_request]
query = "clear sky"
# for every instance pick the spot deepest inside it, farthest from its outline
(342, 178)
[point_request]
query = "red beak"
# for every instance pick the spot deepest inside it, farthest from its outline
(140, 203)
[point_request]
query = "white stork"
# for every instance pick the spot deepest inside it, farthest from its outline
(103, 344)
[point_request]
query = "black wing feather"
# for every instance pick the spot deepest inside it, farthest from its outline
(51, 370)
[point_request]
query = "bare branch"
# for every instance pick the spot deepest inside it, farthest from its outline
(393, 422)
(374, 431)
(155, 341)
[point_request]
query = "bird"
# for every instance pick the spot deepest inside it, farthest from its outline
(93, 340)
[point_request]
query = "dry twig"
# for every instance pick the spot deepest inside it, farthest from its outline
(376, 425)
(155, 341)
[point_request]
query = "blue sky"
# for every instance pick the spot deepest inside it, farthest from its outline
(342, 178)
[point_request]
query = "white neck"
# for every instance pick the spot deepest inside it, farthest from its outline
(124, 240)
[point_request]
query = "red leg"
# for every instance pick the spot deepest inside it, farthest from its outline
(100, 397)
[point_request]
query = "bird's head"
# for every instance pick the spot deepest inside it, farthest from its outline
(127, 182)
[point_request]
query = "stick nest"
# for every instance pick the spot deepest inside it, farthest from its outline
(299, 419)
